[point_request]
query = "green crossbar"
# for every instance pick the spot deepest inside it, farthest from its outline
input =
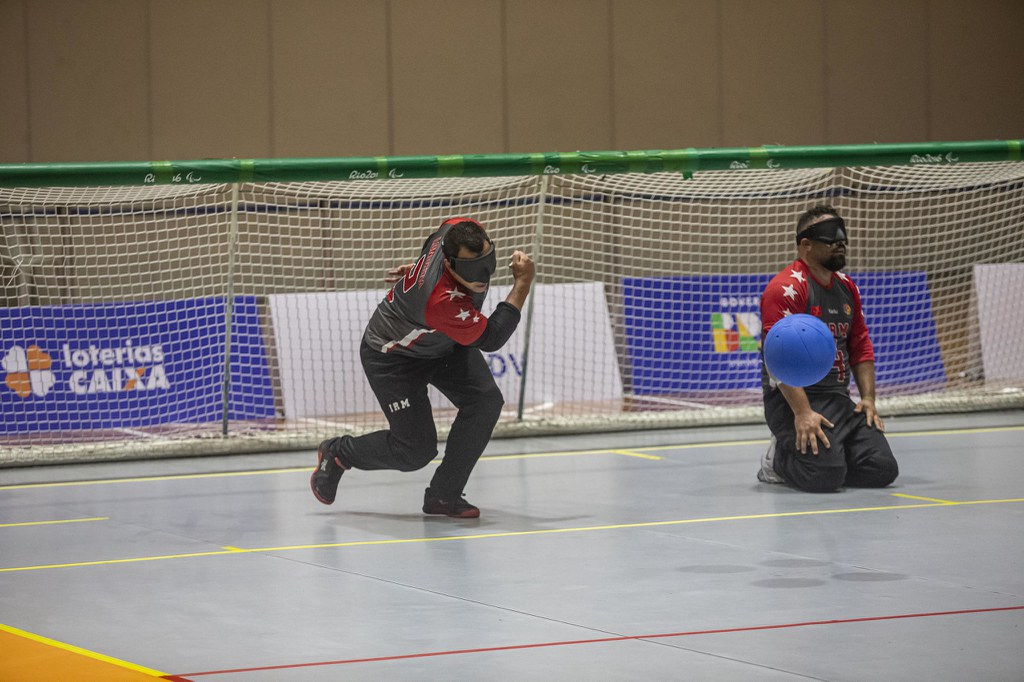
(686, 161)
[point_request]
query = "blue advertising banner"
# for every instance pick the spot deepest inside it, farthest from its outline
(691, 334)
(124, 365)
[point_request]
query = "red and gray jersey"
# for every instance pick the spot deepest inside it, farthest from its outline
(836, 303)
(427, 312)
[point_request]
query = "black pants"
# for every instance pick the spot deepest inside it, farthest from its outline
(400, 384)
(859, 455)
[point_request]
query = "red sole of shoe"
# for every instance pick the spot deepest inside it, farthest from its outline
(465, 515)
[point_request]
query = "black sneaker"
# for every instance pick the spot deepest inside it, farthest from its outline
(455, 506)
(327, 474)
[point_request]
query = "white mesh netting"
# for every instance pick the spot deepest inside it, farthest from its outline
(156, 321)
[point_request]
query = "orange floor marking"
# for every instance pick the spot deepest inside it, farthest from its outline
(29, 660)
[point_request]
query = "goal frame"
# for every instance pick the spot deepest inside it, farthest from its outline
(384, 169)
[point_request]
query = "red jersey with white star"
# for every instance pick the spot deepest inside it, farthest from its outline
(836, 303)
(427, 312)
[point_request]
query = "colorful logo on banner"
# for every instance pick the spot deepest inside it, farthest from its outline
(735, 332)
(129, 365)
(95, 369)
(28, 371)
(695, 334)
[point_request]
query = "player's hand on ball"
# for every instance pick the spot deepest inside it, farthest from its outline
(523, 269)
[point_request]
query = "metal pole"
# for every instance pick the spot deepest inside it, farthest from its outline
(229, 305)
(538, 235)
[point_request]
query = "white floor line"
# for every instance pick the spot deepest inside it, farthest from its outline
(134, 432)
(669, 401)
(327, 422)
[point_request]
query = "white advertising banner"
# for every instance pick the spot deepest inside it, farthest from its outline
(1000, 307)
(571, 354)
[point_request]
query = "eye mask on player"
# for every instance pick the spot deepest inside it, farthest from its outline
(477, 269)
(827, 232)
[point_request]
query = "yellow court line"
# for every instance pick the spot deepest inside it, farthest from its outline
(168, 477)
(630, 453)
(717, 444)
(946, 432)
(48, 523)
(538, 455)
(643, 524)
(78, 650)
(926, 499)
(289, 470)
(634, 452)
(133, 560)
(521, 533)
(968, 502)
(759, 441)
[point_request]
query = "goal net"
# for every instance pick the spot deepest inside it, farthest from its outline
(159, 320)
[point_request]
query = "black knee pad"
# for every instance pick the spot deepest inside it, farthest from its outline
(887, 473)
(823, 481)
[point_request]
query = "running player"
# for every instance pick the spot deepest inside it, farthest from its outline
(428, 329)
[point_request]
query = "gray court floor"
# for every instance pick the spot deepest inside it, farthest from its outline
(627, 556)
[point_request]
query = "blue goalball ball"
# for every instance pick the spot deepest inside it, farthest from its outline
(799, 350)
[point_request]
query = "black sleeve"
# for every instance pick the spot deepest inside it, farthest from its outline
(500, 326)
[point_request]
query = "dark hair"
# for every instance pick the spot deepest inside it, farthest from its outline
(468, 233)
(810, 214)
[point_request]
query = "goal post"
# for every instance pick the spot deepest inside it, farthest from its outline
(206, 307)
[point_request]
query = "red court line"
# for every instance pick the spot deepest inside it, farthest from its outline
(603, 640)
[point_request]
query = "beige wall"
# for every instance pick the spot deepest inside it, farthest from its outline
(116, 80)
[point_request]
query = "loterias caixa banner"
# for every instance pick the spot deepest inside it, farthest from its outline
(133, 364)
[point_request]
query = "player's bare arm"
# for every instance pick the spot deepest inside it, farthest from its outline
(864, 375)
(807, 422)
(523, 272)
(398, 273)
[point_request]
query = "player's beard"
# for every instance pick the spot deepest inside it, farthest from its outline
(836, 262)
